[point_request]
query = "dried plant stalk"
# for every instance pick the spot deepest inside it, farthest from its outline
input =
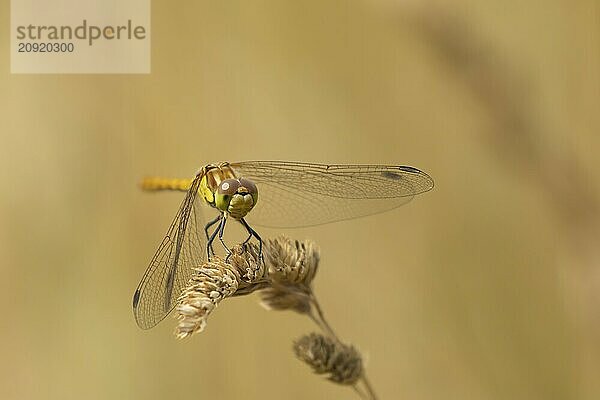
(284, 279)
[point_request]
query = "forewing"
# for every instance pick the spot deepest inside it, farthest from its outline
(183, 248)
(300, 194)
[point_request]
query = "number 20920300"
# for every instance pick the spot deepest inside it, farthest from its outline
(46, 47)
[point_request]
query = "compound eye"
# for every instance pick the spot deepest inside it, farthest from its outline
(228, 187)
(248, 184)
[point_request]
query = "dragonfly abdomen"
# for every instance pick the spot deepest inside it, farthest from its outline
(157, 184)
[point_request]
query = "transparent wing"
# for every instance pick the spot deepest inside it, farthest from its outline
(183, 248)
(292, 194)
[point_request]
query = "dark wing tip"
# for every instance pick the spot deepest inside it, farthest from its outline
(136, 298)
(136, 302)
(407, 168)
(427, 180)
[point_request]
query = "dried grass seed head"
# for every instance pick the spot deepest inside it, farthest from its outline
(341, 363)
(281, 298)
(291, 262)
(245, 259)
(210, 284)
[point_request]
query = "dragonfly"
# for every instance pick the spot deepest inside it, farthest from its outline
(292, 194)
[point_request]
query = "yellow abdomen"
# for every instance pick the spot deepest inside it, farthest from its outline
(156, 184)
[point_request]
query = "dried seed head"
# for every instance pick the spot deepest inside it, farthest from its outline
(209, 285)
(291, 262)
(286, 273)
(341, 363)
(245, 259)
(278, 297)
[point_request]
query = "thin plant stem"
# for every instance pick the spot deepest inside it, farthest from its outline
(360, 393)
(369, 387)
(322, 323)
(316, 320)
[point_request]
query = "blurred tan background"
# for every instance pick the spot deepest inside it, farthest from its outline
(488, 287)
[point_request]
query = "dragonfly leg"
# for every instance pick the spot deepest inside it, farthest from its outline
(252, 232)
(250, 235)
(221, 231)
(211, 223)
(211, 239)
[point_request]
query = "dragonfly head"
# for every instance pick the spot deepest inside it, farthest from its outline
(236, 197)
